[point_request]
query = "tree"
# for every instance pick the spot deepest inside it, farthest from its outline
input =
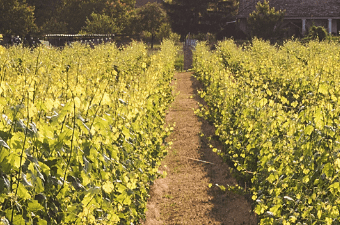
(75, 12)
(54, 26)
(199, 16)
(44, 10)
(100, 24)
(73, 16)
(164, 31)
(123, 13)
(47, 16)
(151, 18)
(16, 18)
(265, 22)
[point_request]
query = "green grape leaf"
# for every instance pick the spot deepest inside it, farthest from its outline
(86, 179)
(14, 161)
(87, 198)
(113, 217)
(335, 187)
(263, 102)
(106, 99)
(77, 102)
(46, 130)
(126, 132)
(34, 206)
(120, 188)
(44, 168)
(41, 222)
(18, 220)
(309, 129)
(23, 192)
(124, 199)
(271, 178)
(318, 118)
(108, 187)
(328, 170)
(323, 89)
(3, 154)
(39, 185)
(276, 209)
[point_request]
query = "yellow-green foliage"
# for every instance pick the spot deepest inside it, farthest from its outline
(276, 109)
(82, 132)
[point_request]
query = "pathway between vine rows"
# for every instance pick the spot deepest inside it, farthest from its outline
(183, 196)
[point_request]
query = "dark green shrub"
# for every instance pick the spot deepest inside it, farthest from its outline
(317, 33)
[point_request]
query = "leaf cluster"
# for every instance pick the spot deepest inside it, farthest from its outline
(81, 132)
(276, 109)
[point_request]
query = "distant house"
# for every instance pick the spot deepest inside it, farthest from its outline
(300, 14)
(140, 3)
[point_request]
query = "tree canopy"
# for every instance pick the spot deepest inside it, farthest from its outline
(19, 17)
(151, 18)
(199, 16)
(100, 24)
(75, 14)
(265, 22)
(44, 9)
(16, 18)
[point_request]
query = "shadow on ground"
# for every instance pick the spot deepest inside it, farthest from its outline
(228, 207)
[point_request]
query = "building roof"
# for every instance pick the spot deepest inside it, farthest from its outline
(296, 8)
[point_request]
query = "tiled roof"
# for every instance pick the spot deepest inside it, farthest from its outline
(296, 8)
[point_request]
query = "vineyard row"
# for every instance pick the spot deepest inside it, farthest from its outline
(276, 110)
(82, 132)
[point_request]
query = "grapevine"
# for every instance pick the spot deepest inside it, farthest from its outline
(82, 132)
(276, 109)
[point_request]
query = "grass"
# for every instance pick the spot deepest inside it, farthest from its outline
(179, 62)
(168, 196)
(156, 47)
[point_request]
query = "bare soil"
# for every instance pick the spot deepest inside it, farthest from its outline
(184, 196)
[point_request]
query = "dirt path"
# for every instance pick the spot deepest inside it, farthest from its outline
(184, 196)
